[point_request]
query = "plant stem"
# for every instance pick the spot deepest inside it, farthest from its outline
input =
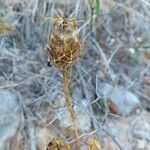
(69, 103)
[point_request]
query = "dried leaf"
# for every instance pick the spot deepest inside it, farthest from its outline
(147, 54)
(58, 144)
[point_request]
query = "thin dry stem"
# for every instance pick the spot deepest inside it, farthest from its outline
(69, 102)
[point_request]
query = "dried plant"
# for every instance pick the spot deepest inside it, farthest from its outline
(94, 145)
(64, 47)
(58, 144)
(4, 27)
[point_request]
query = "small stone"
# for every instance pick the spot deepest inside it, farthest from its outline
(141, 144)
(43, 136)
(146, 80)
(84, 120)
(10, 115)
(132, 50)
(139, 39)
(123, 101)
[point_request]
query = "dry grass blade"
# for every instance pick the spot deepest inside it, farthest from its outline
(58, 144)
(4, 27)
(94, 145)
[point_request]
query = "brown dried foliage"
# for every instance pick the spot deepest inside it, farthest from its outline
(58, 144)
(64, 46)
(4, 27)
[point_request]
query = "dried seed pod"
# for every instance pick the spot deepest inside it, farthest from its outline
(64, 46)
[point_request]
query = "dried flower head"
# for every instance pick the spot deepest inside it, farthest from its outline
(64, 45)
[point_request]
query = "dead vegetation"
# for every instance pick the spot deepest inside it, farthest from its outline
(64, 47)
(4, 27)
(56, 144)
